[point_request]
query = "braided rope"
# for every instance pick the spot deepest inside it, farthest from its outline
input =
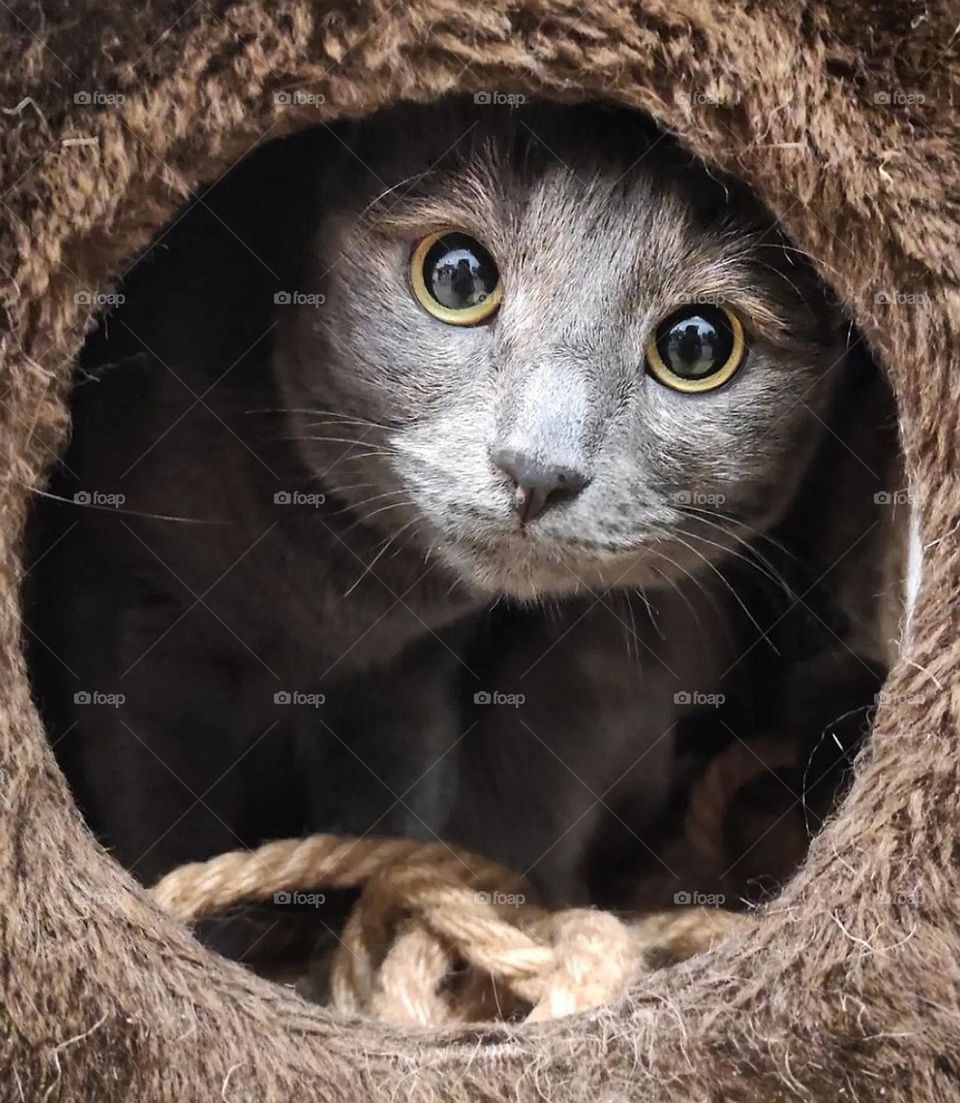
(199, 889)
(441, 935)
(725, 774)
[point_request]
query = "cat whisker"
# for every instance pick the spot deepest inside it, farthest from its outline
(633, 640)
(354, 507)
(780, 275)
(413, 540)
(358, 456)
(644, 598)
(760, 564)
(726, 582)
(329, 440)
(745, 559)
(120, 510)
(373, 562)
(379, 199)
(333, 491)
(341, 420)
(291, 438)
(755, 533)
(383, 509)
(787, 250)
(349, 457)
(753, 550)
(347, 454)
(697, 583)
(331, 415)
(672, 583)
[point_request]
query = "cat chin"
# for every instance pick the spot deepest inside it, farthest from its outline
(530, 577)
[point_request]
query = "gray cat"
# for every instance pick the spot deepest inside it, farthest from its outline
(460, 355)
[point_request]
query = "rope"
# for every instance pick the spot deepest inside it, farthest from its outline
(441, 935)
(725, 775)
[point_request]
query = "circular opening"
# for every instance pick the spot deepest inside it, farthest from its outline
(315, 564)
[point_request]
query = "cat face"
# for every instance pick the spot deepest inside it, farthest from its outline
(553, 349)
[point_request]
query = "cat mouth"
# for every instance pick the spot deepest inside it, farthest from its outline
(523, 565)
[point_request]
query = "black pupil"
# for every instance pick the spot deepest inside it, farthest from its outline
(459, 272)
(695, 343)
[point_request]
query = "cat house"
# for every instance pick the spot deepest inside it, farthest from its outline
(842, 118)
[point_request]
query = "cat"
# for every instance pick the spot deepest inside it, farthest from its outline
(453, 356)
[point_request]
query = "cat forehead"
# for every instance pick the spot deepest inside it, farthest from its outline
(562, 229)
(577, 197)
(552, 180)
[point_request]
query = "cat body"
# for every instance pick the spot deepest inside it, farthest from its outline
(325, 487)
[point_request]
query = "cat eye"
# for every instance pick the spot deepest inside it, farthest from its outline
(696, 348)
(455, 279)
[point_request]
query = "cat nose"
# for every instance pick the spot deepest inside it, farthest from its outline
(538, 484)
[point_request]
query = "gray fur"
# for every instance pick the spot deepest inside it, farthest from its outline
(600, 227)
(594, 247)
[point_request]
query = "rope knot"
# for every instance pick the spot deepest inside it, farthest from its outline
(440, 935)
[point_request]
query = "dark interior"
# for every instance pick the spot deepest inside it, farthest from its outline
(795, 683)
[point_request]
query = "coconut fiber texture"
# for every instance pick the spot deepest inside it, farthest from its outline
(842, 116)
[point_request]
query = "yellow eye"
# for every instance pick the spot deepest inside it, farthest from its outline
(455, 279)
(697, 348)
